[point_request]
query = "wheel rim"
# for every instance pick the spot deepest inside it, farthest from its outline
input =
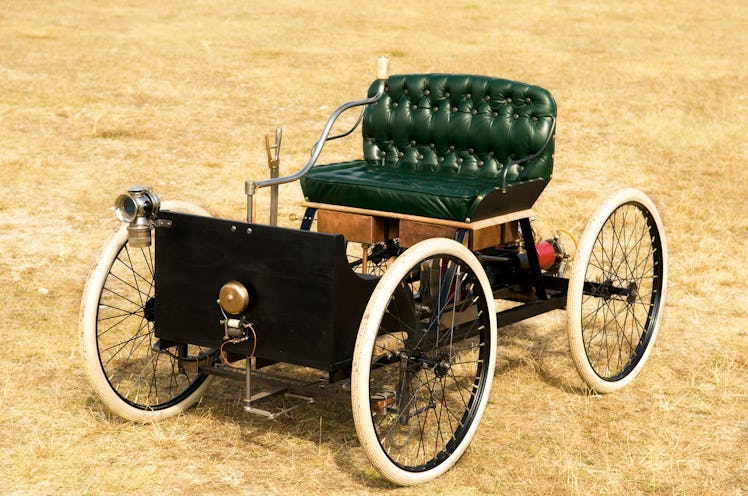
(426, 388)
(144, 378)
(622, 293)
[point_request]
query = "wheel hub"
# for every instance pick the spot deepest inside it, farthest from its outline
(442, 366)
(632, 293)
(149, 310)
(605, 289)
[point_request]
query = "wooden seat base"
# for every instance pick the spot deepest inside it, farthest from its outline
(373, 226)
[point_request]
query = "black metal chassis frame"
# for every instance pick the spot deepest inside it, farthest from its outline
(306, 303)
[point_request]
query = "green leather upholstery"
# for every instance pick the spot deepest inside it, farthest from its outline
(438, 145)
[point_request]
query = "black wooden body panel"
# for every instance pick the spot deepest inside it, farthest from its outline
(305, 301)
(517, 197)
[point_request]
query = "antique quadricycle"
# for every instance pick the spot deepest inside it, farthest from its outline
(440, 205)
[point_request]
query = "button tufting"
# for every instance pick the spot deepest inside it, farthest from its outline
(388, 130)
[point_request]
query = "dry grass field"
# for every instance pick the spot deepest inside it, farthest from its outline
(98, 96)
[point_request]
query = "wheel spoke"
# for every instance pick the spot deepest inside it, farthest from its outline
(442, 368)
(624, 276)
(143, 378)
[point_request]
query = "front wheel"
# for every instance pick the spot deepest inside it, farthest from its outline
(424, 361)
(617, 291)
(130, 372)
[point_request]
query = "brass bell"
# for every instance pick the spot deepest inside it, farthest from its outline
(233, 297)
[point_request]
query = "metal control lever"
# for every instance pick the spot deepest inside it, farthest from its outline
(274, 166)
(250, 187)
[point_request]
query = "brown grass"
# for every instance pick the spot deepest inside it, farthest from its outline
(96, 98)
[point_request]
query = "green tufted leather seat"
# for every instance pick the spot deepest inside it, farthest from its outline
(454, 147)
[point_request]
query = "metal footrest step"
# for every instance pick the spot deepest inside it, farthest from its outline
(249, 403)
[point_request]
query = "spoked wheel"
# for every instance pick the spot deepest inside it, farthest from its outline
(617, 291)
(131, 372)
(424, 361)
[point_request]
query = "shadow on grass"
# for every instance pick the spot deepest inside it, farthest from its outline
(323, 428)
(544, 349)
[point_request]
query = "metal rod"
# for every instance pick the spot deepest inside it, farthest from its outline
(364, 257)
(273, 199)
(251, 186)
(274, 166)
(317, 149)
(353, 128)
(247, 402)
(333, 392)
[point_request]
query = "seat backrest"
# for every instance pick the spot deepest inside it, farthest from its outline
(471, 126)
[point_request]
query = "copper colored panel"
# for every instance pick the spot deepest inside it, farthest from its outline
(411, 232)
(494, 235)
(355, 227)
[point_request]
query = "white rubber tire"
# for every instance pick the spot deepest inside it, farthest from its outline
(88, 330)
(362, 357)
(575, 298)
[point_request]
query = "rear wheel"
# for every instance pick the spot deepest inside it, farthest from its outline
(617, 291)
(424, 361)
(131, 372)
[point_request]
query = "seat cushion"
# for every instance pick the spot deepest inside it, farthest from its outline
(455, 147)
(365, 185)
